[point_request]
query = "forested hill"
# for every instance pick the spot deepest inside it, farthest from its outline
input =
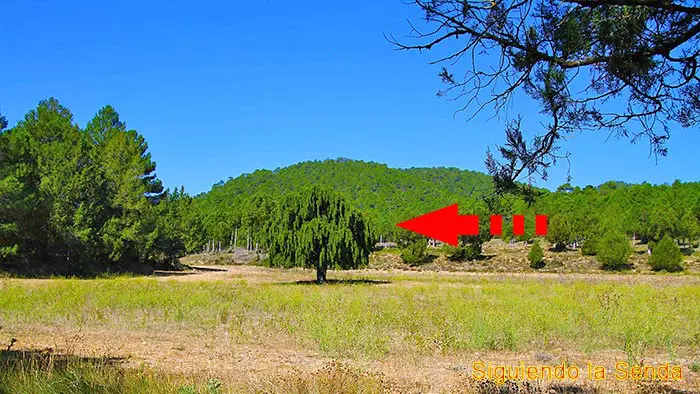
(390, 195)
(385, 194)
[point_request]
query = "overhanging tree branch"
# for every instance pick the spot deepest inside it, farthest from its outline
(643, 53)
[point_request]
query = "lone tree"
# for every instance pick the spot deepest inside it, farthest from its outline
(628, 67)
(536, 256)
(317, 228)
(666, 256)
(614, 251)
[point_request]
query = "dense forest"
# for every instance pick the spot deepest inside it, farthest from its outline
(388, 196)
(86, 199)
(80, 200)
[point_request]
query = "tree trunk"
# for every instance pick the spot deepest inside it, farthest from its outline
(235, 238)
(321, 273)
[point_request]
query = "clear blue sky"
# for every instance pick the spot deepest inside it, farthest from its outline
(219, 88)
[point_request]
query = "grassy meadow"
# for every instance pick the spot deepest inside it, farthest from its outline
(364, 317)
(369, 319)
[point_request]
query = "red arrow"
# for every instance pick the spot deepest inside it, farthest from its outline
(445, 224)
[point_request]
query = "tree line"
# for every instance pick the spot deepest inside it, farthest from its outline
(86, 199)
(79, 200)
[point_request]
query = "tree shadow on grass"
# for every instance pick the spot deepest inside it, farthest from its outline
(339, 282)
(687, 250)
(43, 270)
(190, 270)
(619, 268)
(26, 360)
(172, 273)
(205, 269)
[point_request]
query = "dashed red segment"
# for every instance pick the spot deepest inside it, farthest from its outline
(468, 224)
(541, 225)
(518, 225)
(496, 224)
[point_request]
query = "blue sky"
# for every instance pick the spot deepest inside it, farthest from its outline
(220, 88)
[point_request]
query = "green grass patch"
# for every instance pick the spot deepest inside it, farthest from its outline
(39, 372)
(370, 320)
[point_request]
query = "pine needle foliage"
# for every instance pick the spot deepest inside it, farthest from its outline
(536, 256)
(666, 256)
(317, 228)
(614, 250)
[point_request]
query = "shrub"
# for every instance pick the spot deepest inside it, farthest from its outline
(465, 252)
(590, 245)
(536, 256)
(559, 233)
(415, 252)
(666, 256)
(614, 251)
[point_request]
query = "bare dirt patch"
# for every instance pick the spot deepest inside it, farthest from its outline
(216, 354)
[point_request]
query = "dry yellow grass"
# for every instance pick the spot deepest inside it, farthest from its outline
(261, 330)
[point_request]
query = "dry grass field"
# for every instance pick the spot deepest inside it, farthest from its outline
(251, 329)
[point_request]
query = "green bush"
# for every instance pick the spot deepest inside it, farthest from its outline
(614, 251)
(465, 252)
(415, 252)
(590, 245)
(666, 256)
(559, 233)
(536, 256)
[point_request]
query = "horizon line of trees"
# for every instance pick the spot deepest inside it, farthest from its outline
(87, 199)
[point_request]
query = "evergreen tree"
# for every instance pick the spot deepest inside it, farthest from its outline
(317, 228)
(666, 256)
(689, 226)
(470, 246)
(70, 198)
(415, 252)
(590, 244)
(536, 256)
(131, 187)
(10, 195)
(614, 250)
(559, 232)
(193, 231)
(663, 219)
(58, 188)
